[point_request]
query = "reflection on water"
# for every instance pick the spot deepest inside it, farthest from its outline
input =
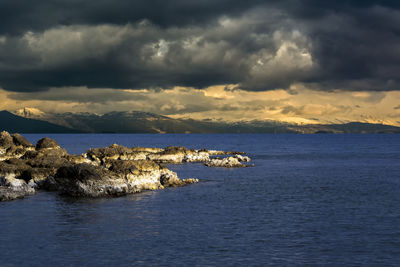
(310, 200)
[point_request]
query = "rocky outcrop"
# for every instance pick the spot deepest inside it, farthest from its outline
(229, 162)
(6, 141)
(14, 146)
(116, 152)
(169, 155)
(19, 140)
(100, 172)
(46, 143)
(121, 178)
(12, 188)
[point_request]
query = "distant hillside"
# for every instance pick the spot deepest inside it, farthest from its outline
(13, 123)
(347, 128)
(121, 122)
(144, 122)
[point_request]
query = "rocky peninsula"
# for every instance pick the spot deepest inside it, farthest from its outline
(100, 172)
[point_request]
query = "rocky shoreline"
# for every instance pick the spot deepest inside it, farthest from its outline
(100, 172)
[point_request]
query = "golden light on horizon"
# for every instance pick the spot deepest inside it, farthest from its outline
(222, 102)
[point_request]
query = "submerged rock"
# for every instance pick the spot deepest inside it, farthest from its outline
(109, 171)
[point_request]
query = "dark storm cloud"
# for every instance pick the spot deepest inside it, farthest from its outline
(260, 45)
(21, 15)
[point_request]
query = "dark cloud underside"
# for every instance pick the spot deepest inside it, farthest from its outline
(260, 45)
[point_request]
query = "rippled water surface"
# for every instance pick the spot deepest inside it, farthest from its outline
(310, 199)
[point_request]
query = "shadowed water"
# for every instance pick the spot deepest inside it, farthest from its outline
(310, 199)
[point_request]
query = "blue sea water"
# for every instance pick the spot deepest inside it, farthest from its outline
(309, 200)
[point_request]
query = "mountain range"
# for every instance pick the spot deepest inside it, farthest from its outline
(31, 120)
(13, 123)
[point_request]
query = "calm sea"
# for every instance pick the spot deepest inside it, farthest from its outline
(310, 200)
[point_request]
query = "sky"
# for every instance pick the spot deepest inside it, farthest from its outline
(302, 61)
